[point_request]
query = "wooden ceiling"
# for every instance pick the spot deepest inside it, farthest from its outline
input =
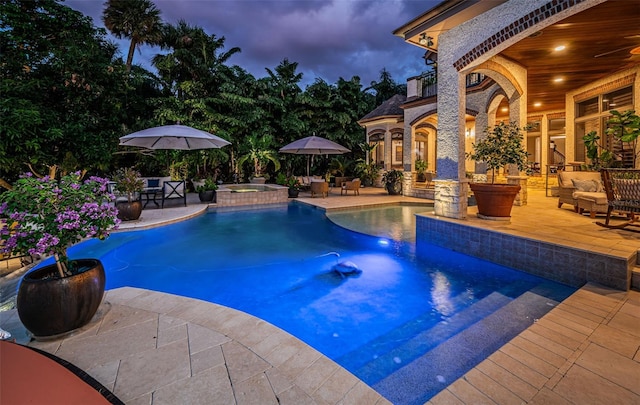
(598, 42)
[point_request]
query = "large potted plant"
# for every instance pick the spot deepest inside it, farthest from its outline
(43, 217)
(291, 182)
(129, 183)
(502, 146)
(421, 169)
(367, 172)
(207, 190)
(392, 181)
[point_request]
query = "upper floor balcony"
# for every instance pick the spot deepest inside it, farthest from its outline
(426, 85)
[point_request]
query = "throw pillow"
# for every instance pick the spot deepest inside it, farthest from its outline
(599, 186)
(584, 185)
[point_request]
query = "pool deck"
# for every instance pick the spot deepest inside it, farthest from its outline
(154, 348)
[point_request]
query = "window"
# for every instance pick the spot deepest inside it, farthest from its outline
(396, 149)
(397, 152)
(593, 114)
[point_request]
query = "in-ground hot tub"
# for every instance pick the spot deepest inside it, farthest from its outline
(230, 195)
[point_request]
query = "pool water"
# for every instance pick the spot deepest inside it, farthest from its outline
(392, 221)
(407, 327)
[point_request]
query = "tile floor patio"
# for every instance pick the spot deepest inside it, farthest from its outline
(153, 348)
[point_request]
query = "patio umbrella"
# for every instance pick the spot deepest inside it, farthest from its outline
(314, 145)
(173, 137)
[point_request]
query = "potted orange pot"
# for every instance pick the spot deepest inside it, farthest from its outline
(502, 146)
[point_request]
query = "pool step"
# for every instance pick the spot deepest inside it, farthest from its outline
(412, 340)
(428, 332)
(427, 375)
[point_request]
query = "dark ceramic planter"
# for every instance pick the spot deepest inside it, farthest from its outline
(207, 196)
(293, 192)
(394, 188)
(494, 200)
(129, 211)
(50, 306)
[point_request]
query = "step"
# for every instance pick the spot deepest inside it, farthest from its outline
(418, 381)
(419, 335)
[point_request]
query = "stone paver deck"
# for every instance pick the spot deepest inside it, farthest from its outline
(154, 348)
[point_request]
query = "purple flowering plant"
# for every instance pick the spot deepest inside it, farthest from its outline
(44, 216)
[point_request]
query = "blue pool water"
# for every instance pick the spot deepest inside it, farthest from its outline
(408, 327)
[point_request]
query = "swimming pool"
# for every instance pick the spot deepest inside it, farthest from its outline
(407, 327)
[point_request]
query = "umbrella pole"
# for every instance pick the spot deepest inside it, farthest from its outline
(308, 159)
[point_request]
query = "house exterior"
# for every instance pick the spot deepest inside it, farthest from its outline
(556, 66)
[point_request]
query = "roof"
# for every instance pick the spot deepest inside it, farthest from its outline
(389, 108)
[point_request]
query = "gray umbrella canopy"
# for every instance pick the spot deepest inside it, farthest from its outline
(314, 145)
(173, 137)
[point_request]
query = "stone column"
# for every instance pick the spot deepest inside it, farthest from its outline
(482, 123)
(387, 149)
(450, 192)
(521, 198)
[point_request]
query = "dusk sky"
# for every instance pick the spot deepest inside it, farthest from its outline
(328, 39)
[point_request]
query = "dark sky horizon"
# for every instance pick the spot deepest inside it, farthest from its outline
(328, 39)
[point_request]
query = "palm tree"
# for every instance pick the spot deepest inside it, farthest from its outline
(138, 20)
(194, 56)
(260, 154)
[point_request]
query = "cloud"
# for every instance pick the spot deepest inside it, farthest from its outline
(328, 39)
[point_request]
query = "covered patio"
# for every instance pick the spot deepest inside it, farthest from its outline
(558, 67)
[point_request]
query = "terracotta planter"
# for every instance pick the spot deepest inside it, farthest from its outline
(49, 306)
(494, 200)
(129, 211)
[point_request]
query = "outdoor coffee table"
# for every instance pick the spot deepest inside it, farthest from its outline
(150, 196)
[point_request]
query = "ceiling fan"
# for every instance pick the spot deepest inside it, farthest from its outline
(620, 49)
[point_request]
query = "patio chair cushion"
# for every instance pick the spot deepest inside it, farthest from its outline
(598, 198)
(153, 183)
(589, 185)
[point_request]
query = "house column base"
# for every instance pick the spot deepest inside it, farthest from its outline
(451, 198)
(521, 198)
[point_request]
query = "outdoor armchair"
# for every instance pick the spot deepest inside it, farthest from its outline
(353, 185)
(174, 190)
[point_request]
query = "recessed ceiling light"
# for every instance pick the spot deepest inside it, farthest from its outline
(558, 79)
(538, 104)
(559, 48)
(505, 109)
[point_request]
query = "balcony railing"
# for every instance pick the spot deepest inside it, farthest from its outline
(426, 85)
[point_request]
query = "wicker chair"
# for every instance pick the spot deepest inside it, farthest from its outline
(319, 187)
(568, 194)
(623, 195)
(353, 185)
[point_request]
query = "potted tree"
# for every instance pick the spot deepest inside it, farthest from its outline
(129, 183)
(502, 146)
(207, 190)
(44, 217)
(392, 181)
(421, 168)
(367, 172)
